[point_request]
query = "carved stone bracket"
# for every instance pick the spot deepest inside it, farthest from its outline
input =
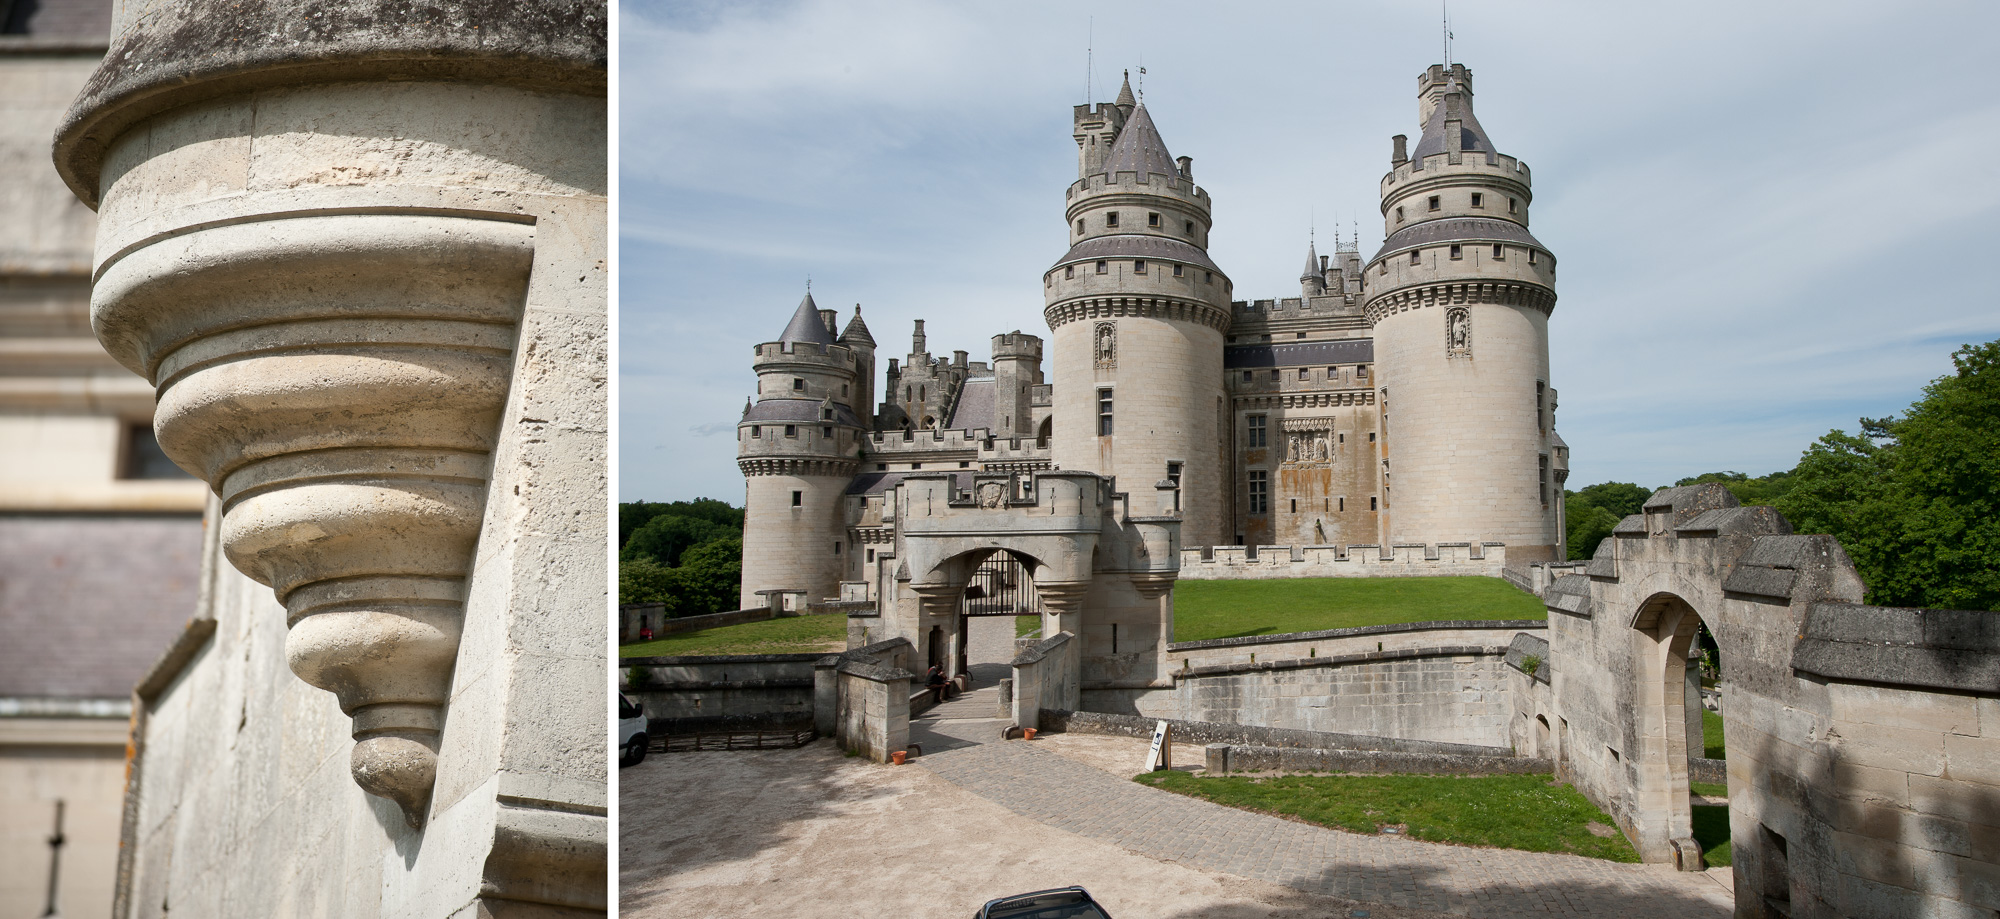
(338, 381)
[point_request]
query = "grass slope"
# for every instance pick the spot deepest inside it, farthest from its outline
(1234, 609)
(792, 635)
(1711, 831)
(1711, 735)
(1504, 811)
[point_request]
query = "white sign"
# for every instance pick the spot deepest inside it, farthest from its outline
(1162, 754)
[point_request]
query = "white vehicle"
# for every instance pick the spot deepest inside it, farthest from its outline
(631, 732)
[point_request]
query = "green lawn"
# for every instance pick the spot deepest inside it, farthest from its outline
(791, 635)
(1711, 734)
(1504, 811)
(1234, 609)
(1025, 624)
(1711, 830)
(1710, 789)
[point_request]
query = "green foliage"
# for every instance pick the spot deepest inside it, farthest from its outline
(1619, 499)
(1915, 500)
(1232, 609)
(665, 537)
(635, 514)
(687, 555)
(1530, 663)
(1586, 525)
(1527, 812)
(788, 635)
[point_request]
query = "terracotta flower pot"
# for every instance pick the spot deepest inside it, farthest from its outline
(1028, 733)
(898, 757)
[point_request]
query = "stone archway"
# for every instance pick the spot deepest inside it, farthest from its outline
(1670, 733)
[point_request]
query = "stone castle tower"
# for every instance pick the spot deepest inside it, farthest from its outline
(1459, 299)
(799, 444)
(1138, 313)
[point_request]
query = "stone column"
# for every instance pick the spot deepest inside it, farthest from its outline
(358, 248)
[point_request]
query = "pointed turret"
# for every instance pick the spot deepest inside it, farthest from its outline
(1139, 149)
(856, 331)
(807, 325)
(1125, 98)
(1312, 282)
(1450, 120)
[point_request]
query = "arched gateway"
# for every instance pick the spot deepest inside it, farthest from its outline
(1856, 751)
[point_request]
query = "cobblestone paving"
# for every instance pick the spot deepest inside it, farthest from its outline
(1067, 795)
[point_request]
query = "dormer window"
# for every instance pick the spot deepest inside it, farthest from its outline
(1111, 219)
(826, 414)
(1436, 202)
(1478, 200)
(1152, 220)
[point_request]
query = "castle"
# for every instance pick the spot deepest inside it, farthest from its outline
(1268, 421)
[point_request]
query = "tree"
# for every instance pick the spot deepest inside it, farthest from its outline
(1914, 500)
(1619, 499)
(666, 536)
(1586, 524)
(1750, 491)
(635, 514)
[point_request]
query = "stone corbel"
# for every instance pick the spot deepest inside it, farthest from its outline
(338, 381)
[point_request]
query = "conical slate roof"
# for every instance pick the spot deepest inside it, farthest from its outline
(856, 329)
(806, 325)
(1125, 92)
(1312, 262)
(1139, 149)
(1472, 137)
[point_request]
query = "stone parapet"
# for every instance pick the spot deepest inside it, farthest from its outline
(1222, 563)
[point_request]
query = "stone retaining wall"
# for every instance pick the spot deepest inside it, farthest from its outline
(1224, 759)
(1221, 563)
(696, 693)
(1245, 735)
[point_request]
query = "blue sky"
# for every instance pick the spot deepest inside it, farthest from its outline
(1772, 218)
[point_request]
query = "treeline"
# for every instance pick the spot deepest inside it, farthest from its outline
(685, 554)
(1915, 500)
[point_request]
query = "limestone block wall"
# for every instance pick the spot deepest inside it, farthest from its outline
(1444, 694)
(694, 693)
(874, 713)
(1046, 676)
(792, 546)
(1491, 636)
(1223, 563)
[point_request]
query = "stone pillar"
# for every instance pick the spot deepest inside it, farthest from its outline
(358, 248)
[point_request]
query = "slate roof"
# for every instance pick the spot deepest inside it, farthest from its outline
(806, 325)
(856, 329)
(1458, 230)
(802, 411)
(1301, 354)
(89, 603)
(1312, 263)
(975, 406)
(1147, 247)
(1139, 149)
(875, 483)
(1471, 138)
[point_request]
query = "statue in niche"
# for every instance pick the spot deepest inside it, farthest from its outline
(1291, 448)
(1319, 448)
(1458, 332)
(1107, 345)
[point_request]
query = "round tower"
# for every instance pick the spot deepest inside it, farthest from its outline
(1459, 297)
(799, 445)
(1138, 314)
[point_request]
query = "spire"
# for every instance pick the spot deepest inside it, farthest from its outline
(1456, 106)
(1139, 149)
(857, 331)
(806, 325)
(1312, 262)
(1125, 97)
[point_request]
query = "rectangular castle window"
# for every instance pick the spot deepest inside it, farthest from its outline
(1190, 228)
(1499, 253)
(1301, 335)
(1208, 277)
(1260, 492)
(756, 430)
(1069, 271)
(1274, 370)
(964, 464)
(798, 499)
(1361, 372)
(1416, 257)
(1111, 219)
(1305, 374)
(1545, 478)
(1104, 413)
(1435, 202)
(1512, 205)
(1138, 266)
(1255, 437)
(1478, 200)
(1340, 503)
(1177, 271)
(871, 556)
(1457, 251)
(1246, 376)
(1531, 256)
(1295, 505)
(1079, 225)
(1371, 437)
(1103, 266)
(798, 384)
(826, 431)
(881, 467)
(1152, 220)
(1371, 501)
(791, 430)
(916, 466)
(1399, 214)
(836, 548)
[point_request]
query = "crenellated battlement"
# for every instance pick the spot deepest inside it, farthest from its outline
(1127, 183)
(1221, 563)
(1497, 167)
